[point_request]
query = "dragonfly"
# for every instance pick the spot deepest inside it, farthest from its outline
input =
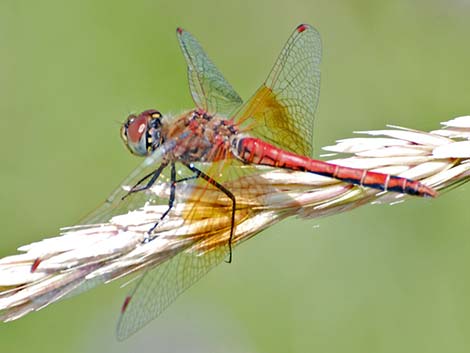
(217, 142)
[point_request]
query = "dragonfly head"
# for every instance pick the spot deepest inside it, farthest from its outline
(142, 133)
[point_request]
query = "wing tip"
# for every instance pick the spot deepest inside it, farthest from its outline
(302, 27)
(123, 332)
(125, 304)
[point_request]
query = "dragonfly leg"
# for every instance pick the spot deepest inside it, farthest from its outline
(200, 174)
(171, 201)
(195, 176)
(155, 174)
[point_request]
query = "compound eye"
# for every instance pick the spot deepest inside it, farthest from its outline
(134, 134)
(136, 128)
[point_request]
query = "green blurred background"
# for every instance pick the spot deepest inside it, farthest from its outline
(379, 279)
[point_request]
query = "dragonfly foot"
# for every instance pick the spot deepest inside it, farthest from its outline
(149, 237)
(229, 260)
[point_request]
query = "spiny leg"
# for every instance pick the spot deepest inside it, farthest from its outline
(155, 174)
(171, 202)
(200, 174)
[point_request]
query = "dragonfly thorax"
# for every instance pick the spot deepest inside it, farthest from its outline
(142, 133)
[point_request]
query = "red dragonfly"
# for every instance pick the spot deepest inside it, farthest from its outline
(274, 128)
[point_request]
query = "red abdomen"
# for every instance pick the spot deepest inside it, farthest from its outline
(256, 151)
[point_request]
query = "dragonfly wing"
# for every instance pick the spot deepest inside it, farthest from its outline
(159, 287)
(282, 110)
(207, 212)
(209, 89)
(115, 204)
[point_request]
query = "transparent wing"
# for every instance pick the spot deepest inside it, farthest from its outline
(160, 286)
(282, 111)
(209, 89)
(115, 205)
(207, 212)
